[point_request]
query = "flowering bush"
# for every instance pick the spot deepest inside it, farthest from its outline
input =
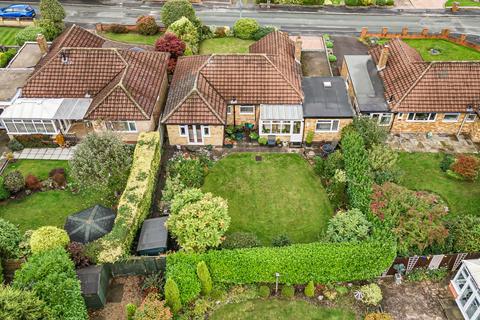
(198, 220)
(467, 167)
(47, 238)
(14, 181)
(415, 217)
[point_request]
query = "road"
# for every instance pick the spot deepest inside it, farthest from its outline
(89, 12)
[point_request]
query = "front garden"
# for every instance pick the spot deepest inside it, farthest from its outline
(225, 45)
(7, 35)
(131, 37)
(463, 3)
(271, 195)
(443, 50)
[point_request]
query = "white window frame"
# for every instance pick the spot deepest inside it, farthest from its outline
(185, 128)
(35, 122)
(282, 124)
(331, 121)
(451, 114)
(129, 124)
(470, 117)
(230, 109)
(247, 112)
(469, 283)
(205, 133)
(429, 119)
(380, 116)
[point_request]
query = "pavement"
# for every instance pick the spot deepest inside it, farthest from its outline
(420, 4)
(418, 142)
(292, 19)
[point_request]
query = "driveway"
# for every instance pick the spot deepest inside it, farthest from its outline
(420, 4)
(347, 45)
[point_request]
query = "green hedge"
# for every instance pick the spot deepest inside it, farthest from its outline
(135, 202)
(297, 264)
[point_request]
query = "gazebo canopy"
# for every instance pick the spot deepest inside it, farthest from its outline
(90, 224)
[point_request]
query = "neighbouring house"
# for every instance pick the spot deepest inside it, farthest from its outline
(465, 289)
(440, 97)
(262, 88)
(81, 86)
(14, 76)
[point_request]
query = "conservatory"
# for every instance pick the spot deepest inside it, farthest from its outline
(465, 288)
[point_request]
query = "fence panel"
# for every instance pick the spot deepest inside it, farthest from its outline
(138, 266)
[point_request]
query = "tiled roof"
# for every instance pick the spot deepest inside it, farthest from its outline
(203, 85)
(124, 84)
(416, 85)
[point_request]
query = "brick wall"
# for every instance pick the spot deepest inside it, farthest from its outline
(310, 124)
(215, 139)
(237, 119)
(437, 126)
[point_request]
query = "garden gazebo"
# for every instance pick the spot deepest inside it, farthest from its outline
(90, 224)
(466, 289)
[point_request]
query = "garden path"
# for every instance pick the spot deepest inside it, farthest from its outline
(45, 153)
(412, 142)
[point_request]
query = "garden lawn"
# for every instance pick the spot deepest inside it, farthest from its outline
(7, 35)
(276, 309)
(131, 37)
(422, 172)
(225, 45)
(39, 168)
(278, 195)
(463, 3)
(44, 208)
(448, 51)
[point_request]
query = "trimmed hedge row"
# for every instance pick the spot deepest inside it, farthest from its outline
(135, 202)
(297, 264)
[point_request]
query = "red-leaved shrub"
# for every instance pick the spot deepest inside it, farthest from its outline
(32, 183)
(76, 251)
(467, 167)
(170, 43)
(147, 25)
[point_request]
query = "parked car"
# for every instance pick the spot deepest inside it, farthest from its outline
(18, 11)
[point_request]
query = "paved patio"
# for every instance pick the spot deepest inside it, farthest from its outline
(45, 153)
(416, 142)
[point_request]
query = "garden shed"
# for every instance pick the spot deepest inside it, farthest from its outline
(90, 224)
(94, 282)
(153, 237)
(465, 287)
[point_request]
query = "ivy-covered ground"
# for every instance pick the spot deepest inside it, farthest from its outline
(48, 208)
(422, 172)
(278, 195)
(276, 309)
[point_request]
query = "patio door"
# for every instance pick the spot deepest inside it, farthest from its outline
(195, 134)
(297, 131)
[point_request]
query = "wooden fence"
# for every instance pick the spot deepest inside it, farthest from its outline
(449, 261)
(424, 34)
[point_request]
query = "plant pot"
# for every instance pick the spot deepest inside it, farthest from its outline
(308, 144)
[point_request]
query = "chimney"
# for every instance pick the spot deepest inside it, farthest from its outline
(382, 61)
(42, 43)
(298, 48)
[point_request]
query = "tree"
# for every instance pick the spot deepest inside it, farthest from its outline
(50, 29)
(10, 238)
(348, 226)
(172, 295)
(101, 162)
(47, 238)
(52, 10)
(204, 277)
(357, 168)
(370, 131)
(22, 304)
(186, 31)
(175, 9)
(147, 25)
(197, 220)
(170, 43)
(245, 28)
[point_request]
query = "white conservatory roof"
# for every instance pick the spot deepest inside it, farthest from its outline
(34, 108)
(473, 267)
(281, 112)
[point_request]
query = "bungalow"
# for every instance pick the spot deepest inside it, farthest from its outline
(262, 89)
(81, 86)
(425, 97)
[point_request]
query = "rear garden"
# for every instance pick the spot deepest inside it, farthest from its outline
(271, 195)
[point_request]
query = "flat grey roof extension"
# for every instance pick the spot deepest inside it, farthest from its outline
(367, 84)
(326, 97)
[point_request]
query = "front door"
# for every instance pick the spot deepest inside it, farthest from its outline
(297, 131)
(195, 134)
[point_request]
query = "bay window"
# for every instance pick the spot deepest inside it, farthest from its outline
(327, 125)
(422, 116)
